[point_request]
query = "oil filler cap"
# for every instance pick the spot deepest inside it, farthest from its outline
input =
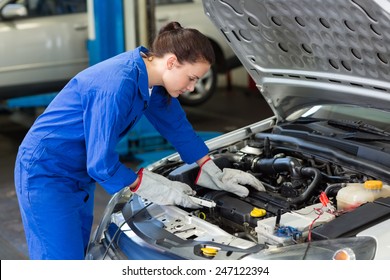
(258, 212)
(209, 252)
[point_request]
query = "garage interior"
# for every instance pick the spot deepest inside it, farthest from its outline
(235, 103)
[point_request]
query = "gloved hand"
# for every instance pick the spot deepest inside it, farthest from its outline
(158, 189)
(231, 180)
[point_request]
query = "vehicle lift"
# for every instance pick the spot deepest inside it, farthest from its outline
(114, 27)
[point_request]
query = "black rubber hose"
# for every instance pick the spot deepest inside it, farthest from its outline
(277, 165)
(307, 171)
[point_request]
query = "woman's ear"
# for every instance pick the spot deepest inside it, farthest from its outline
(171, 61)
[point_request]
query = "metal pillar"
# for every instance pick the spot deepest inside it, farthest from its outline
(116, 26)
(106, 35)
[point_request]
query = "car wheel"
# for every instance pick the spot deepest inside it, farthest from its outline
(204, 89)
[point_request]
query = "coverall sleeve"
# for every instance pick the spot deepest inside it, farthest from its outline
(170, 120)
(104, 120)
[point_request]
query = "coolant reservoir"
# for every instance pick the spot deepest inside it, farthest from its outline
(355, 194)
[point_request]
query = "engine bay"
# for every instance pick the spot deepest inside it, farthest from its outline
(302, 180)
(319, 188)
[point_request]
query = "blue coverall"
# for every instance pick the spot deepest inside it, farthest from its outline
(71, 146)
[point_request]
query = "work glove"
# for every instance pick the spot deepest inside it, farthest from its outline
(158, 189)
(230, 180)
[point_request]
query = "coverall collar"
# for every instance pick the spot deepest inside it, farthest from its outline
(143, 73)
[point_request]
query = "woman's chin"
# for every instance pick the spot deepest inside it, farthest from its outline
(175, 94)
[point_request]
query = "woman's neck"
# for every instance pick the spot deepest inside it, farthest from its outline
(152, 67)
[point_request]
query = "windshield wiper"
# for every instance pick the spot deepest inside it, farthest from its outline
(359, 126)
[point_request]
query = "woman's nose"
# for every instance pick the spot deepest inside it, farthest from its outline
(191, 86)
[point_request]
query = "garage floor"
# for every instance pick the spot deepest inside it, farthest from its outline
(226, 111)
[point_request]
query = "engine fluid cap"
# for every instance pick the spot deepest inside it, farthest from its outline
(373, 185)
(209, 252)
(258, 212)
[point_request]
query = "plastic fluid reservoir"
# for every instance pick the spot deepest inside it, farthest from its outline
(355, 194)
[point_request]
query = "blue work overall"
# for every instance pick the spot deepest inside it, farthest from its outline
(71, 146)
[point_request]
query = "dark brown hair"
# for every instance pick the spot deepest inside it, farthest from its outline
(188, 44)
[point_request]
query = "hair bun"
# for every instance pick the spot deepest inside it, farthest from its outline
(187, 44)
(174, 25)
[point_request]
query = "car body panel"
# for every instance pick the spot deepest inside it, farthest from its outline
(382, 235)
(61, 48)
(41, 52)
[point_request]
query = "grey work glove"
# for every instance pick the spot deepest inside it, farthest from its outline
(230, 180)
(158, 189)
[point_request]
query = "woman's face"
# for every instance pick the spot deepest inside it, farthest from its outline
(180, 78)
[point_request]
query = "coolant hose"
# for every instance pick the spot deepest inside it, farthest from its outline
(307, 171)
(277, 165)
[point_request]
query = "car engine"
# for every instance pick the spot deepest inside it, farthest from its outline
(325, 191)
(322, 185)
(303, 180)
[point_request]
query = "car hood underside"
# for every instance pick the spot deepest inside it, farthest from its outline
(302, 53)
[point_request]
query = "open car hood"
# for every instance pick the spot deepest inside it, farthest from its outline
(302, 53)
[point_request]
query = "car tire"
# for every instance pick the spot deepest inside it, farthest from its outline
(204, 89)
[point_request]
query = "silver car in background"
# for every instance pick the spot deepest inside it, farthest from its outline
(43, 43)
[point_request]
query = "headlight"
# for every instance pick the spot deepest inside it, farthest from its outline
(359, 248)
